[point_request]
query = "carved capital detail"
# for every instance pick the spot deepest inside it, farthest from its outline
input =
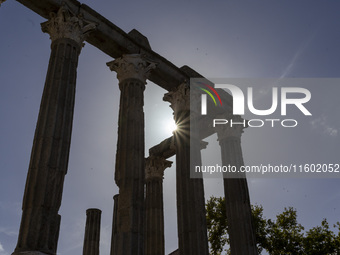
(132, 66)
(179, 99)
(155, 166)
(233, 129)
(1, 1)
(65, 24)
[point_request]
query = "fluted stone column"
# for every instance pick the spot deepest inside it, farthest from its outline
(132, 72)
(240, 228)
(114, 225)
(39, 229)
(154, 214)
(92, 232)
(192, 229)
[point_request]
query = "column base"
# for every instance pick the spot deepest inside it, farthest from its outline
(30, 253)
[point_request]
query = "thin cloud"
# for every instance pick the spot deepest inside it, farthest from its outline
(105, 239)
(298, 53)
(8, 232)
(2, 250)
(13, 207)
(76, 236)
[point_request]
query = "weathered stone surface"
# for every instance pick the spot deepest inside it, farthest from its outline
(140, 39)
(176, 252)
(179, 99)
(240, 227)
(192, 230)
(132, 66)
(154, 214)
(39, 229)
(92, 232)
(132, 72)
(163, 149)
(29, 253)
(155, 167)
(65, 24)
(114, 245)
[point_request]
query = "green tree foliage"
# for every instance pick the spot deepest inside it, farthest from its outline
(216, 224)
(321, 240)
(285, 235)
(282, 236)
(260, 227)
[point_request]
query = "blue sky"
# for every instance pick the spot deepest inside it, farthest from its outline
(241, 39)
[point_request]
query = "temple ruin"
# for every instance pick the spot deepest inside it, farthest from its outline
(138, 218)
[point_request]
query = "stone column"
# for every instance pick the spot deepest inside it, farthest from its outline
(39, 229)
(132, 72)
(92, 232)
(192, 229)
(240, 228)
(154, 214)
(114, 225)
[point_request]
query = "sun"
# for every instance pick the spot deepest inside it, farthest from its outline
(169, 126)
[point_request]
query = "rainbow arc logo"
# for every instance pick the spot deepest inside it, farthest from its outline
(204, 97)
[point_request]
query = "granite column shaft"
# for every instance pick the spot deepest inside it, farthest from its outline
(154, 214)
(132, 71)
(114, 226)
(92, 232)
(192, 228)
(39, 229)
(238, 209)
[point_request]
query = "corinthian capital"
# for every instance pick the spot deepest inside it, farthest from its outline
(1, 1)
(155, 166)
(132, 66)
(179, 99)
(65, 24)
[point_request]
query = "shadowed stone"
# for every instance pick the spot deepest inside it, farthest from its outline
(192, 228)
(132, 72)
(154, 214)
(39, 229)
(240, 228)
(92, 232)
(114, 226)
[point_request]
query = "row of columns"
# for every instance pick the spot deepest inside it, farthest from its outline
(39, 229)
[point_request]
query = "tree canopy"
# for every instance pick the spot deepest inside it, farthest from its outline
(282, 236)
